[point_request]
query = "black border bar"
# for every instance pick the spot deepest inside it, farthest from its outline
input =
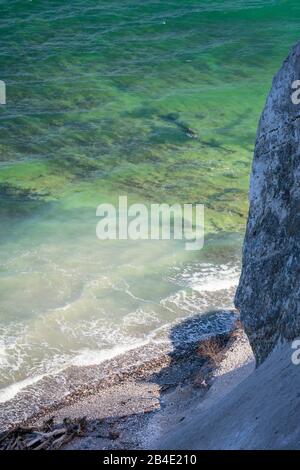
(136, 459)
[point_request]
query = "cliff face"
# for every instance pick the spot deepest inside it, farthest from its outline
(268, 295)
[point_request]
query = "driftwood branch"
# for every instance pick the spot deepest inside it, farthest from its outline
(48, 436)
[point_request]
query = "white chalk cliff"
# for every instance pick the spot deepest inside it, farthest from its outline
(263, 411)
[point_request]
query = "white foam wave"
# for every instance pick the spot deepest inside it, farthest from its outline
(214, 285)
(82, 342)
(8, 393)
(84, 357)
(207, 277)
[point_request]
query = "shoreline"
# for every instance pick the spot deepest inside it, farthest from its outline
(142, 391)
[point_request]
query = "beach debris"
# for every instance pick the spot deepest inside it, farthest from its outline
(114, 434)
(213, 347)
(201, 382)
(50, 435)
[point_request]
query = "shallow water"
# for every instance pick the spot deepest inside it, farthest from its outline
(100, 97)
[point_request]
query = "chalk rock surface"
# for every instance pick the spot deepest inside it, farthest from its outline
(268, 295)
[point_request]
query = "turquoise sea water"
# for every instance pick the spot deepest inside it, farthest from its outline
(157, 100)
